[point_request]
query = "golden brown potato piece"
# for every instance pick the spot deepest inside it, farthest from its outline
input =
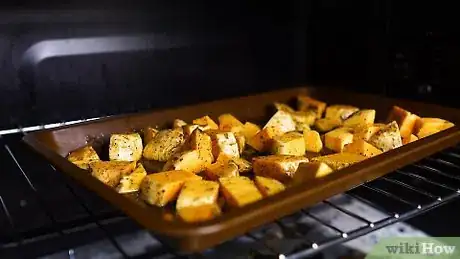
(239, 191)
(339, 160)
(241, 140)
(262, 141)
(111, 172)
(125, 147)
(340, 112)
(410, 139)
(189, 129)
(283, 107)
(429, 126)
(164, 145)
(268, 186)
(188, 160)
(291, 143)
(228, 122)
(132, 181)
(324, 125)
(221, 168)
(405, 119)
(279, 167)
(313, 141)
(178, 123)
(82, 157)
(312, 170)
(224, 142)
(365, 132)
(202, 142)
(360, 118)
(250, 130)
(363, 148)
(243, 165)
(387, 137)
(149, 133)
(161, 188)
(197, 201)
(337, 139)
(206, 122)
(302, 119)
(306, 103)
(281, 122)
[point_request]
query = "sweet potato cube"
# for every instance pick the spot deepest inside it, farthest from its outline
(406, 120)
(337, 139)
(365, 132)
(387, 137)
(410, 139)
(250, 130)
(362, 117)
(125, 147)
(291, 143)
(149, 134)
(312, 170)
(197, 201)
(206, 122)
(340, 112)
(268, 186)
(279, 167)
(228, 122)
(132, 181)
(313, 141)
(325, 124)
(161, 188)
(239, 191)
(339, 160)
(111, 172)
(82, 157)
(363, 148)
(306, 103)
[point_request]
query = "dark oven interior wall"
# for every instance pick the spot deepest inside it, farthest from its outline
(65, 64)
(72, 61)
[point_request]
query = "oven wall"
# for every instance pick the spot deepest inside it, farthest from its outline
(95, 58)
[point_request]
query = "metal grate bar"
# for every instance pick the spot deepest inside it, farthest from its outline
(341, 233)
(434, 170)
(387, 194)
(96, 221)
(410, 187)
(349, 213)
(55, 225)
(450, 154)
(427, 180)
(377, 225)
(441, 161)
(369, 203)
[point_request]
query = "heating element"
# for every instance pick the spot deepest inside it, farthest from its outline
(44, 213)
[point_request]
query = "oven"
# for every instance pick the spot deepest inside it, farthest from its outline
(68, 63)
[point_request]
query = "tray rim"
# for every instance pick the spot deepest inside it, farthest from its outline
(294, 194)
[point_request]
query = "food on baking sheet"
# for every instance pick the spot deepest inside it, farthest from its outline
(111, 172)
(268, 186)
(207, 166)
(197, 201)
(83, 157)
(161, 188)
(125, 147)
(239, 191)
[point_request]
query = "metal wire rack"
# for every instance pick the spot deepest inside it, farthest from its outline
(42, 212)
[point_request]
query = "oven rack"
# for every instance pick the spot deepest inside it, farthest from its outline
(42, 212)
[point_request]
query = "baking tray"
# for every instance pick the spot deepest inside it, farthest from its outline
(55, 144)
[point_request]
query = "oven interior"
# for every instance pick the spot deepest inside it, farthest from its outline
(65, 63)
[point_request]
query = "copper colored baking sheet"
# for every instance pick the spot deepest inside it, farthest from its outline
(55, 144)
